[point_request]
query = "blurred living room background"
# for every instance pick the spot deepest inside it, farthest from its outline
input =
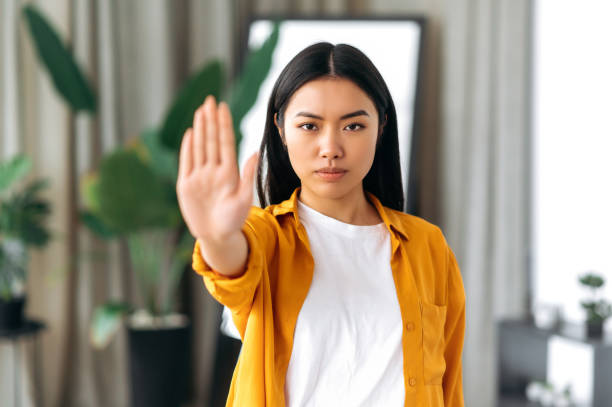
(506, 146)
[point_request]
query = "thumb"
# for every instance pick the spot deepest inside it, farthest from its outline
(248, 177)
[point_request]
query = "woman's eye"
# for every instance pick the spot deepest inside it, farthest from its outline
(350, 127)
(353, 128)
(307, 126)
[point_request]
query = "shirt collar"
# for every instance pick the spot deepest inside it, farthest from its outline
(390, 217)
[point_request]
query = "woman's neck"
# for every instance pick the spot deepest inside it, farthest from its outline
(352, 207)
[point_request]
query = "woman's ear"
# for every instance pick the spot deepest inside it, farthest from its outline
(380, 129)
(280, 131)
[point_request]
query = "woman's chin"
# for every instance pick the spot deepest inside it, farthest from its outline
(330, 190)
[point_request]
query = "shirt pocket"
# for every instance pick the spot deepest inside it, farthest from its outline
(433, 318)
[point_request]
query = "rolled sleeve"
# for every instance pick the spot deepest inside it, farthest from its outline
(236, 293)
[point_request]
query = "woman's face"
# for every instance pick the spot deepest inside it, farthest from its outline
(330, 129)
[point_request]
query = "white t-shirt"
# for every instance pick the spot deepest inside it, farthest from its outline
(347, 347)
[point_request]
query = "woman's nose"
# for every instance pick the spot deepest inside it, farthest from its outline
(330, 147)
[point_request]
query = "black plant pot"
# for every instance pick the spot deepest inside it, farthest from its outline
(11, 313)
(595, 330)
(160, 366)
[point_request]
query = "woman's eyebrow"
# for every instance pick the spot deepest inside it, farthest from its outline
(346, 116)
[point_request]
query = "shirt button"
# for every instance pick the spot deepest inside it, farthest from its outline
(410, 326)
(412, 381)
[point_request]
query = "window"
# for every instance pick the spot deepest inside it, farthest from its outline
(572, 150)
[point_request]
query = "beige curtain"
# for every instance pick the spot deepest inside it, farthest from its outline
(486, 161)
(136, 54)
(473, 161)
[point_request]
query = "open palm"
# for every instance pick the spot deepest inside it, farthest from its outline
(213, 198)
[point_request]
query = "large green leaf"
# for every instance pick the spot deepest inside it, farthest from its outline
(246, 87)
(132, 196)
(13, 170)
(57, 58)
(208, 80)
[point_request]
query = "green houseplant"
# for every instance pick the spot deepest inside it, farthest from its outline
(132, 196)
(597, 308)
(22, 217)
(133, 193)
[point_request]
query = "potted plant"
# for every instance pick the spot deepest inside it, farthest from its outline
(22, 217)
(128, 197)
(597, 308)
(132, 196)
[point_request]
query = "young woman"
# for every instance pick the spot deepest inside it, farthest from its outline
(340, 298)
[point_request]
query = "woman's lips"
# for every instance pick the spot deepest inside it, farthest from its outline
(331, 176)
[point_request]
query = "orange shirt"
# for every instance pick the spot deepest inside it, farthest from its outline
(266, 299)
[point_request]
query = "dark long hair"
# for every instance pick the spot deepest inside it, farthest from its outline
(343, 61)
